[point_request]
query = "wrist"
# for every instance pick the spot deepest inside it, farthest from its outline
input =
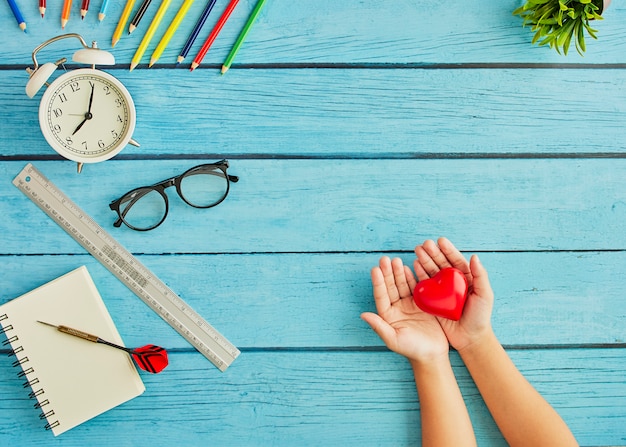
(430, 364)
(486, 340)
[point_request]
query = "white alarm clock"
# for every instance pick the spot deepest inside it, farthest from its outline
(86, 115)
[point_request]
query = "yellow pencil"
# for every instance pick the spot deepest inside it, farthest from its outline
(180, 15)
(121, 25)
(149, 34)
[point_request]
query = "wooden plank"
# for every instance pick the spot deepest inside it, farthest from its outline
(355, 113)
(357, 398)
(329, 32)
(345, 205)
(265, 301)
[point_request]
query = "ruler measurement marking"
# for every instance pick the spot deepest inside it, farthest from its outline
(158, 296)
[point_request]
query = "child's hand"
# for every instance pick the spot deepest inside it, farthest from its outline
(403, 327)
(476, 319)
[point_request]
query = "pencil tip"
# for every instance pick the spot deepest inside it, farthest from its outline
(194, 65)
(224, 69)
(133, 65)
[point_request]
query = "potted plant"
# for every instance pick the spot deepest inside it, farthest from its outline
(558, 22)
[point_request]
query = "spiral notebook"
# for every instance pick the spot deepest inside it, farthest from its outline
(72, 380)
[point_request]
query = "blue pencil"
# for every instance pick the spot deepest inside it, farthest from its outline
(18, 15)
(195, 31)
(103, 10)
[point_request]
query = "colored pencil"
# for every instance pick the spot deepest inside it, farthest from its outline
(149, 34)
(180, 15)
(139, 15)
(65, 13)
(18, 15)
(242, 35)
(216, 30)
(196, 30)
(117, 34)
(83, 9)
(103, 10)
(42, 7)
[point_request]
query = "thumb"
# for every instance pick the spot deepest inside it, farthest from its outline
(480, 283)
(381, 327)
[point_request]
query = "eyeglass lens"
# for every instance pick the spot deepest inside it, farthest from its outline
(201, 187)
(143, 208)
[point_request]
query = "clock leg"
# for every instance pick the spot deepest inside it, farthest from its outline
(79, 167)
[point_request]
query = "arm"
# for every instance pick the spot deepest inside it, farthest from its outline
(407, 330)
(523, 416)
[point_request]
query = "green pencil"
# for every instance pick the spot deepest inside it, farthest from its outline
(242, 35)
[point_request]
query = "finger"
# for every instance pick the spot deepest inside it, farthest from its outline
(436, 255)
(454, 256)
(400, 278)
(382, 328)
(419, 271)
(410, 279)
(429, 266)
(481, 285)
(390, 280)
(379, 288)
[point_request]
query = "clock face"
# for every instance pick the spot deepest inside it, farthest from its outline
(87, 115)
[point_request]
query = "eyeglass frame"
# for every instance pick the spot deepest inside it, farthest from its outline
(160, 187)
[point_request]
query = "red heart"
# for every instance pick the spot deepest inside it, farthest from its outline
(443, 295)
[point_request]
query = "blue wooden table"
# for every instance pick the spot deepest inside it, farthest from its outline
(357, 128)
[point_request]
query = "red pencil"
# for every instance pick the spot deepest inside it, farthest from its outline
(42, 7)
(83, 9)
(213, 35)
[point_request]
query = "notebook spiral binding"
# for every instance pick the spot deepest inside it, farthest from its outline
(21, 360)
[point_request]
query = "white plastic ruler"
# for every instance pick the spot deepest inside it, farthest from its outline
(126, 267)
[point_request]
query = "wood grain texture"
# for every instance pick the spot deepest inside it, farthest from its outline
(396, 113)
(358, 129)
(311, 300)
(346, 205)
(331, 32)
(286, 398)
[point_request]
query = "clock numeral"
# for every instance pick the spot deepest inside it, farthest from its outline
(114, 134)
(101, 144)
(57, 112)
(107, 90)
(69, 140)
(119, 103)
(75, 87)
(62, 97)
(56, 128)
(84, 143)
(119, 119)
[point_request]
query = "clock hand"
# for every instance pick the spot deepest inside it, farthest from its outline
(88, 115)
(90, 98)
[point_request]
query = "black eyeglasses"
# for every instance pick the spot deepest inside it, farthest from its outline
(202, 186)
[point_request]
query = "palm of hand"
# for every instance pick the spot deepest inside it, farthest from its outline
(418, 334)
(403, 327)
(431, 258)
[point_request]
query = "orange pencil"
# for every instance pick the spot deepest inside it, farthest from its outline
(65, 13)
(213, 35)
